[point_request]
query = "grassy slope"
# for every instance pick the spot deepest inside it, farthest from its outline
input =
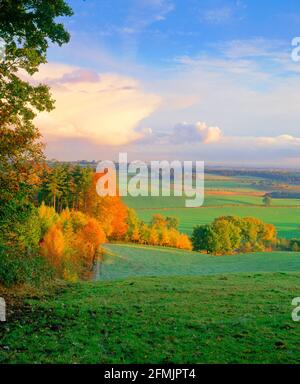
(123, 261)
(215, 319)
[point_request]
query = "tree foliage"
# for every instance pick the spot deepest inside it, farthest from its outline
(26, 27)
(72, 242)
(231, 234)
(161, 231)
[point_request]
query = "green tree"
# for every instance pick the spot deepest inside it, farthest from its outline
(227, 236)
(26, 27)
(267, 200)
(205, 239)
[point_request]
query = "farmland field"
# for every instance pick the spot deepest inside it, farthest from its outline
(240, 196)
(127, 260)
(285, 219)
(211, 200)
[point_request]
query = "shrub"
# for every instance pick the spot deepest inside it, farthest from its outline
(17, 268)
(20, 233)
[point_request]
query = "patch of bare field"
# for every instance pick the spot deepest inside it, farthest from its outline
(239, 192)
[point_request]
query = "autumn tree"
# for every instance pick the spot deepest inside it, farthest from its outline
(53, 247)
(71, 244)
(134, 226)
(110, 211)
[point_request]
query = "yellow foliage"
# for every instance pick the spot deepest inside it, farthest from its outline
(53, 246)
(71, 245)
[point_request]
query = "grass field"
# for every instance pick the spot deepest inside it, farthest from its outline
(244, 318)
(126, 260)
(212, 200)
(286, 219)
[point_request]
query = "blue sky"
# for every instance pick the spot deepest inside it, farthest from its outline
(217, 74)
(154, 32)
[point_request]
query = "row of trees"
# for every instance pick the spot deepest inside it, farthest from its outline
(161, 231)
(289, 245)
(231, 234)
(70, 241)
(65, 186)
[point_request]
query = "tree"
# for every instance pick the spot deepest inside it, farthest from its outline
(227, 237)
(172, 222)
(158, 221)
(230, 234)
(133, 231)
(200, 236)
(267, 200)
(184, 242)
(26, 27)
(295, 247)
(48, 217)
(110, 211)
(90, 237)
(53, 247)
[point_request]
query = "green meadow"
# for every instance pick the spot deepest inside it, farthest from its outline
(127, 260)
(232, 318)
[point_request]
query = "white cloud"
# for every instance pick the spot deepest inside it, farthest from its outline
(208, 134)
(284, 140)
(104, 108)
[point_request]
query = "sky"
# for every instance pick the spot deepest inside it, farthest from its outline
(210, 80)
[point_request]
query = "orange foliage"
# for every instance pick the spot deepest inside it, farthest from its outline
(71, 245)
(110, 211)
(184, 242)
(53, 246)
(89, 238)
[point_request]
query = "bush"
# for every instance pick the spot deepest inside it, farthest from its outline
(18, 268)
(20, 233)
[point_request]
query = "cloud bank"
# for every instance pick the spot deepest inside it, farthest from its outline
(103, 108)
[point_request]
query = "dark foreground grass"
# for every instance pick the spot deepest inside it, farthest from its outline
(243, 318)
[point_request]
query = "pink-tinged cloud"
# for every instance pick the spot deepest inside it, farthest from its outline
(208, 134)
(104, 108)
(199, 132)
